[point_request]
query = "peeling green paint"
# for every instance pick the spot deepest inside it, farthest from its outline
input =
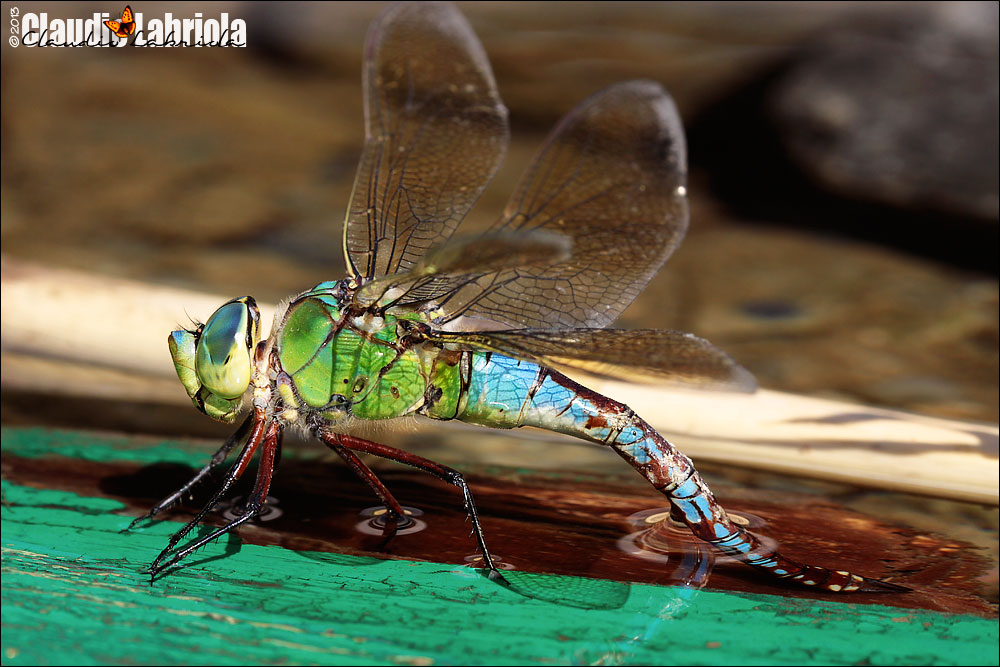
(101, 447)
(74, 593)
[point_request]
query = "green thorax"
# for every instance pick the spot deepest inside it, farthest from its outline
(337, 360)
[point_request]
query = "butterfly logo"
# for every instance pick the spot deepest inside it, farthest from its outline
(124, 27)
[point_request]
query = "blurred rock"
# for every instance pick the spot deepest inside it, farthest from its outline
(549, 55)
(902, 110)
(832, 317)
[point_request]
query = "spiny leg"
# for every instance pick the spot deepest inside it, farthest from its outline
(278, 449)
(256, 435)
(255, 502)
(218, 458)
(393, 509)
(442, 472)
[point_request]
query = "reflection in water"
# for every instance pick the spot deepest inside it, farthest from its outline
(660, 538)
(375, 521)
(476, 561)
(234, 508)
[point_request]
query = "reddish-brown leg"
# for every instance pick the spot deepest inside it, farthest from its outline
(442, 472)
(271, 440)
(393, 509)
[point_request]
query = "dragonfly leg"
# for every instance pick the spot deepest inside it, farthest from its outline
(255, 502)
(442, 472)
(393, 509)
(257, 435)
(218, 458)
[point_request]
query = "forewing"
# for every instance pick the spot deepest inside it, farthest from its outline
(647, 355)
(610, 179)
(435, 133)
(460, 257)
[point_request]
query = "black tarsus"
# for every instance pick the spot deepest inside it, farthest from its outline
(264, 474)
(218, 458)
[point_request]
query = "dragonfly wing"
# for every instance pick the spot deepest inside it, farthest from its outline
(435, 133)
(649, 355)
(462, 260)
(611, 180)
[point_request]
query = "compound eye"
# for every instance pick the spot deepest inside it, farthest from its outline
(222, 360)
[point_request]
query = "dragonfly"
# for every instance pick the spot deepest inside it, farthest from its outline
(479, 328)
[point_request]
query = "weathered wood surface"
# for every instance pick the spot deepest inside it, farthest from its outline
(305, 587)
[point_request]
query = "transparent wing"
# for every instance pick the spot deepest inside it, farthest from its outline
(435, 133)
(460, 257)
(648, 355)
(610, 179)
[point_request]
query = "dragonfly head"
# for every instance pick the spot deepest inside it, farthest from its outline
(215, 360)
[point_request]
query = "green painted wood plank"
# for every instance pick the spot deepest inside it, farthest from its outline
(73, 593)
